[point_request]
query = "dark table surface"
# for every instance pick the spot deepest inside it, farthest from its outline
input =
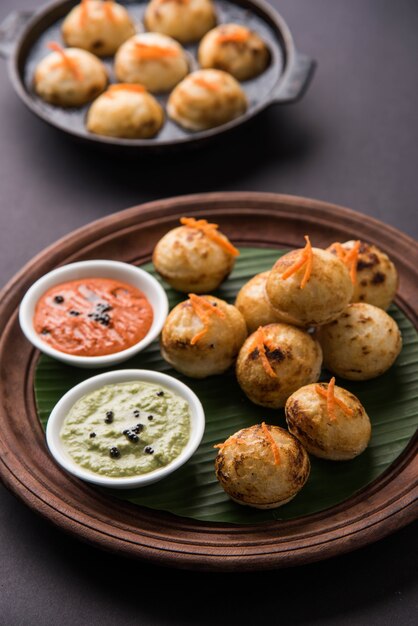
(352, 140)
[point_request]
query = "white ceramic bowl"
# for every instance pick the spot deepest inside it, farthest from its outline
(115, 270)
(62, 408)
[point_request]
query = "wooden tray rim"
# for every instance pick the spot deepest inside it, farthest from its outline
(180, 542)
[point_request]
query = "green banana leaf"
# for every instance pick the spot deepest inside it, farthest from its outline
(193, 491)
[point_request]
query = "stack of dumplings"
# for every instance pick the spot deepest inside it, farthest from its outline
(156, 63)
(310, 310)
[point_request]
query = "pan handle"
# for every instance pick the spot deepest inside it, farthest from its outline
(10, 29)
(297, 80)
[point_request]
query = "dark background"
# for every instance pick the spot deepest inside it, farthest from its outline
(352, 140)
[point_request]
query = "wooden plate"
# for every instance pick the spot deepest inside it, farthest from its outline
(27, 469)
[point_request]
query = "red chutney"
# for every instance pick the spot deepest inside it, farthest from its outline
(92, 316)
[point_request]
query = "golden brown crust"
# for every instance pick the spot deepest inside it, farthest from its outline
(190, 261)
(338, 439)
(206, 99)
(215, 351)
(92, 28)
(125, 114)
(326, 294)
(186, 21)
(246, 469)
(377, 279)
(294, 356)
(361, 344)
(235, 49)
(153, 60)
(56, 83)
(253, 303)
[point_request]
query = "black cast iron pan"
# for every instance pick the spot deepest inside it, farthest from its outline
(23, 39)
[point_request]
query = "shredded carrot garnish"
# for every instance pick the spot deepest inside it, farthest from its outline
(349, 257)
(238, 34)
(154, 52)
(203, 309)
(177, 1)
(259, 343)
(108, 10)
(84, 12)
(341, 253)
(305, 258)
(329, 395)
(125, 87)
(106, 7)
(206, 84)
(71, 64)
(210, 231)
(272, 442)
(351, 261)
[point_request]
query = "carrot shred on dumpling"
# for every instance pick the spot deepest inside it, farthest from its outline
(272, 442)
(305, 258)
(329, 395)
(84, 12)
(238, 34)
(108, 10)
(348, 257)
(210, 231)
(351, 260)
(203, 310)
(137, 88)
(71, 64)
(206, 84)
(151, 51)
(259, 343)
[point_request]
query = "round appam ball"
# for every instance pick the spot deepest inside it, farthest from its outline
(340, 436)
(205, 99)
(126, 111)
(376, 277)
(253, 303)
(156, 61)
(362, 343)
(323, 298)
(200, 343)
(96, 26)
(185, 21)
(235, 49)
(275, 361)
(190, 260)
(69, 77)
(262, 466)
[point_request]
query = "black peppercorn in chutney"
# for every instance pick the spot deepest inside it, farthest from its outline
(109, 433)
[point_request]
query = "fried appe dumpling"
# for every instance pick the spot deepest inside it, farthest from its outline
(205, 99)
(339, 436)
(126, 111)
(97, 26)
(235, 49)
(253, 303)
(69, 77)
(275, 361)
(263, 466)
(376, 276)
(186, 21)
(156, 61)
(362, 343)
(195, 257)
(309, 298)
(202, 336)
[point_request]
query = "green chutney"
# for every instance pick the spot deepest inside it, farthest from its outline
(126, 429)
